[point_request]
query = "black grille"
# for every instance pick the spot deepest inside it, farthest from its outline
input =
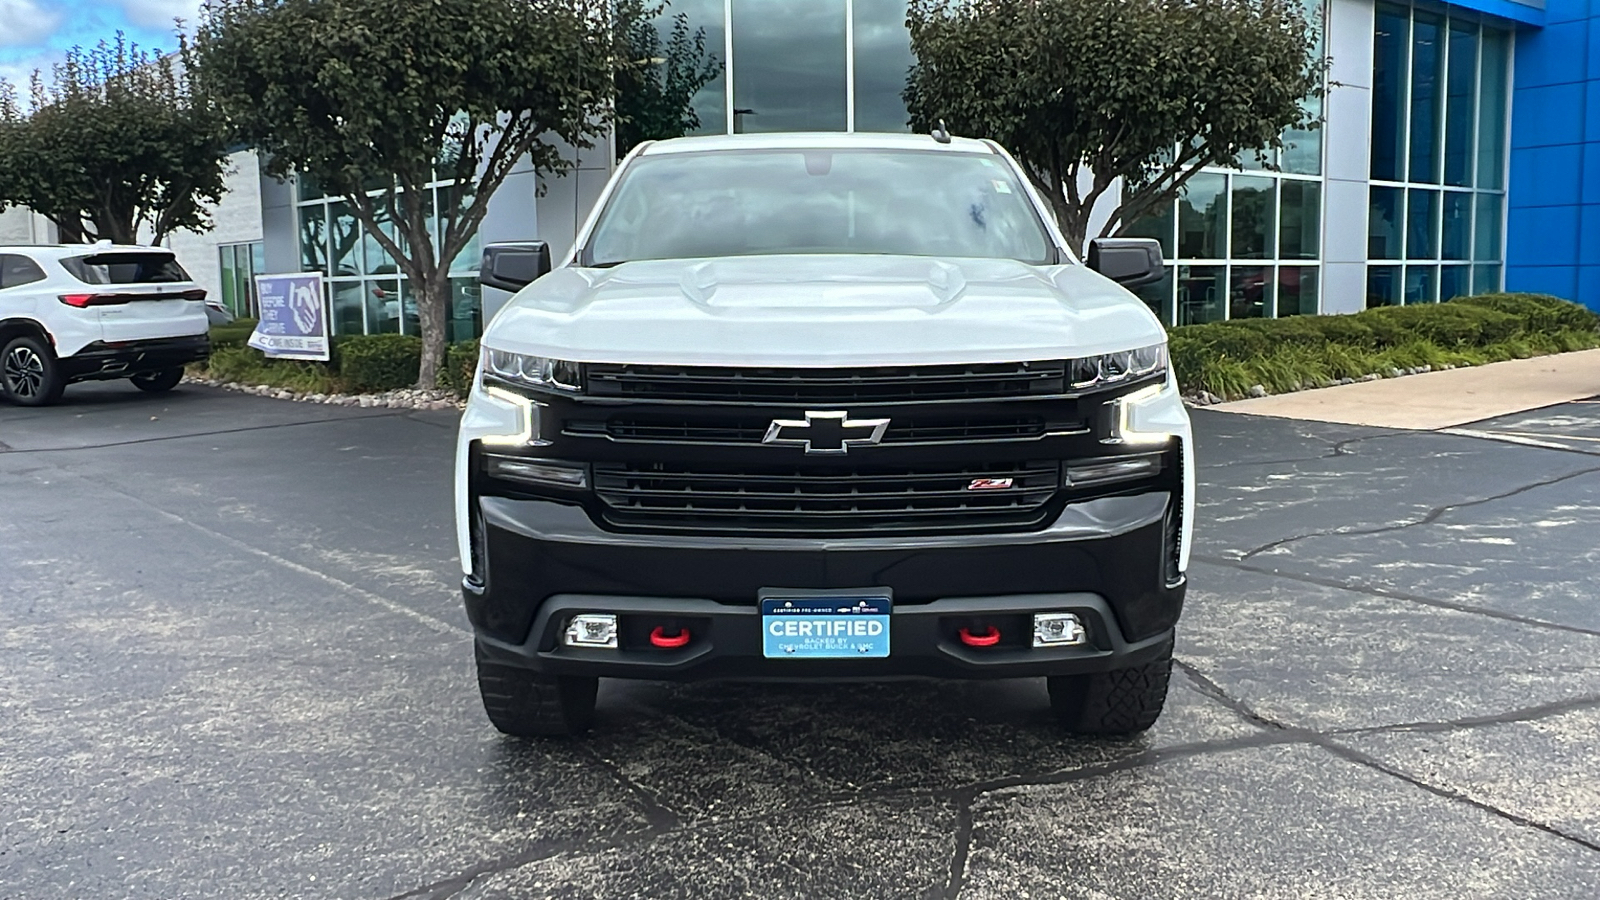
(830, 499)
(702, 429)
(828, 386)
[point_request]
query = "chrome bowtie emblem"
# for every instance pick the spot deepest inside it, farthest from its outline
(826, 432)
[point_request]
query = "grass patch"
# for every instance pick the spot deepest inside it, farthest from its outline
(1229, 358)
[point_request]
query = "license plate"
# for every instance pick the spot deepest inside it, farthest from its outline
(838, 627)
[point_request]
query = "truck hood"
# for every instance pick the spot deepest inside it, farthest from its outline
(814, 311)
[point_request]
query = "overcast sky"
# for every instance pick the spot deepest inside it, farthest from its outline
(35, 33)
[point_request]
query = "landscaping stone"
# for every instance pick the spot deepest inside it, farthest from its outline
(406, 398)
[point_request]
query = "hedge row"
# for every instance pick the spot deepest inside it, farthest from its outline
(360, 363)
(1229, 358)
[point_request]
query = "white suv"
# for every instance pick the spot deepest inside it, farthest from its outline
(95, 313)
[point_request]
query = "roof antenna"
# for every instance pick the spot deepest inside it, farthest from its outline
(940, 134)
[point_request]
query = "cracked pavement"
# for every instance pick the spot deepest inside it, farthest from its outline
(233, 664)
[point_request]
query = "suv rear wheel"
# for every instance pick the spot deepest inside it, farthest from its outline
(29, 374)
(1119, 703)
(159, 381)
(524, 703)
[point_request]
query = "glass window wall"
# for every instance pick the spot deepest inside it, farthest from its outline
(1239, 245)
(881, 48)
(711, 101)
(790, 66)
(1435, 227)
(239, 265)
(367, 294)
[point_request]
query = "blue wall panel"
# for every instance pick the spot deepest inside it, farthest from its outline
(1562, 281)
(1547, 176)
(1553, 226)
(1528, 12)
(1559, 45)
(1531, 122)
(1552, 232)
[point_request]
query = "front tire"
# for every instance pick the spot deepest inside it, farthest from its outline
(158, 382)
(1119, 703)
(29, 373)
(523, 703)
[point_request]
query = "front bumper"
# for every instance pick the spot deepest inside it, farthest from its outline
(544, 561)
(102, 361)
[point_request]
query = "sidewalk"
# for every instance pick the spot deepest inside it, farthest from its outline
(1436, 400)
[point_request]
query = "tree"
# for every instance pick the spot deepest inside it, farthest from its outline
(116, 145)
(376, 100)
(1090, 94)
(656, 80)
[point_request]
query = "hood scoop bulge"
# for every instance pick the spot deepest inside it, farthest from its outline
(838, 282)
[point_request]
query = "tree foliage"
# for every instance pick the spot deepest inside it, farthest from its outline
(1090, 94)
(375, 100)
(114, 145)
(656, 79)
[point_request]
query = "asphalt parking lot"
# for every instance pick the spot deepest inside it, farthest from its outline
(233, 664)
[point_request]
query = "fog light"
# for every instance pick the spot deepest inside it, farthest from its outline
(592, 631)
(1058, 630)
(530, 471)
(1101, 471)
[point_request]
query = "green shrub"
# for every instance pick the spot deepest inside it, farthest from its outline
(1538, 312)
(233, 334)
(1233, 340)
(460, 367)
(380, 362)
(246, 366)
(1447, 324)
(1228, 358)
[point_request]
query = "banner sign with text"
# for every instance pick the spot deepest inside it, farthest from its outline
(294, 320)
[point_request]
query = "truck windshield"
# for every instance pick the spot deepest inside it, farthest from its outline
(755, 202)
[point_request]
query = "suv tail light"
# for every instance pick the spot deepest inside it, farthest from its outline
(82, 301)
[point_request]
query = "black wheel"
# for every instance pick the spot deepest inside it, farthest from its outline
(159, 381)
(523, 703)
(29, 374)
(1121, 702)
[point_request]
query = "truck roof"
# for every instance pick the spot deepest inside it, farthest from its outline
(815, 141)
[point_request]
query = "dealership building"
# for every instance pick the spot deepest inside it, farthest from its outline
(1457, 155)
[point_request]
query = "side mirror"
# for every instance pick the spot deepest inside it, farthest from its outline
(1130, 262)
(514, 266)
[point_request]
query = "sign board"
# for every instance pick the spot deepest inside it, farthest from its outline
(294, 318)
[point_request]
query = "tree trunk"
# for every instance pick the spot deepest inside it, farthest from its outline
(70, 231)
(117, 227)
(433, 297)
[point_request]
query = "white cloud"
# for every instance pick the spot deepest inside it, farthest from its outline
(19, 71)
(159, 13)
(23, 23)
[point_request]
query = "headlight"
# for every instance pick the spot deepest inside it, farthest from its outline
(1092, 372)
(538, 371)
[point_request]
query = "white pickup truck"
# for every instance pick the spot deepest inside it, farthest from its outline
(823, 407)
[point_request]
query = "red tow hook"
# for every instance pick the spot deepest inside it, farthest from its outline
(988, 639)
(660, 638)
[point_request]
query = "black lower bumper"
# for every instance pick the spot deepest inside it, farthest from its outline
(101, 361)
(725, 641)
(1103, 559)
